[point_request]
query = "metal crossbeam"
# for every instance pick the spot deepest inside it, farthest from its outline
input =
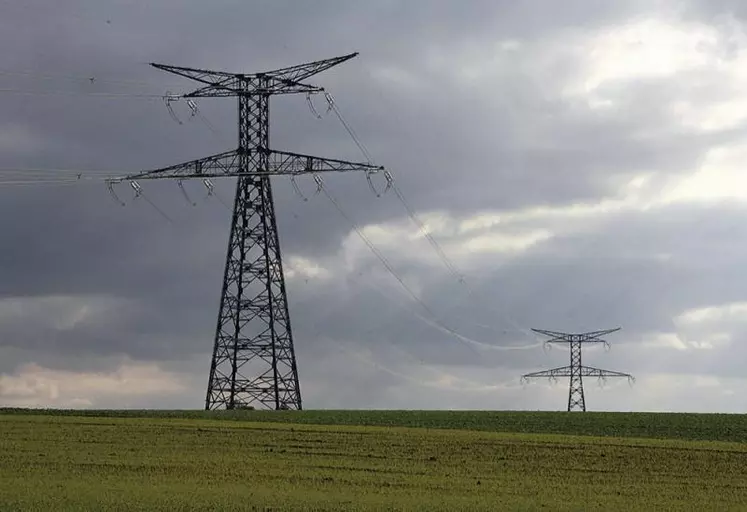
(586, 371)
(228, 164)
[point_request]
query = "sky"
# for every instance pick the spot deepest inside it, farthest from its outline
(577, 162)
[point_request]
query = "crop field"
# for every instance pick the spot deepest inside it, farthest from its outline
(390, 460)
(703, 427)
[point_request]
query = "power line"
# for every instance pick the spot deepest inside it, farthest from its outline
(348, 128)
(64, 12)
(373, 248)
(436, 246)
(36, 183)
(451, 267)
(37, 177)
(437, 384)
(439, 326)
(110, 95)
(47, 171)
(433, 321)
(90, 79)
(139, 193)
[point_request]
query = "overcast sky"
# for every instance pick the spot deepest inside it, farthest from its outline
(579, 162)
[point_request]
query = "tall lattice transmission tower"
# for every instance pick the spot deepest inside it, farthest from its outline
(253, 360)
(576, 371)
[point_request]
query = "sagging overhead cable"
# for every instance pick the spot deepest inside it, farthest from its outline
(110, 187)
(391, 184)
(28, 92)
(139, 193)
(348, 128)
(22, 182)
(389, 268)
(444, 382)
(196, 112)
(78, 78)
(452, 332)
(67, 174)
(436, 246)
(210, 186)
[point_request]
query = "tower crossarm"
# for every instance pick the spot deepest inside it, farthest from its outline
(593, 336)
(228, 164)
(222, 164)
(295, 74)
(556, 337)
(287, 80)
(590, 371)
(284, 162)
(217, 79)
(586, 337)
(562, 371)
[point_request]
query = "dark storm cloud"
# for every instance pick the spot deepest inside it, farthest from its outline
(485, 163)
(507, 141)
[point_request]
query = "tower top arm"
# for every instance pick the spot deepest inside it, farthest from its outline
(585, 337)
(288, 80)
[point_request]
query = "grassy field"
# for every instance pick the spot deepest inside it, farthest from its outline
(697, 427)
(118, 460)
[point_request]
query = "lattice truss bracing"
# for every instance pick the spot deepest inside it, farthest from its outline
(576, 371)
(253, 362)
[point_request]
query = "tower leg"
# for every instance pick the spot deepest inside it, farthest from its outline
(576, 400)
(253, 360)
(576, 391)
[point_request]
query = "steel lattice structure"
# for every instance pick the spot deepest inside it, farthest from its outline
(576, 371)
(253, 358)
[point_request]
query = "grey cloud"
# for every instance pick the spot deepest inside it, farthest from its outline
(453, 147)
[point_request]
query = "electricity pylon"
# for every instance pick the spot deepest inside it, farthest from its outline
(253, 358)
(576, 371)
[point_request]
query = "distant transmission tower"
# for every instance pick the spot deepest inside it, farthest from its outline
(576, 371)
(253, 358)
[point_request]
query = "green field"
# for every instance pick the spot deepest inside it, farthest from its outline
(390, 460)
